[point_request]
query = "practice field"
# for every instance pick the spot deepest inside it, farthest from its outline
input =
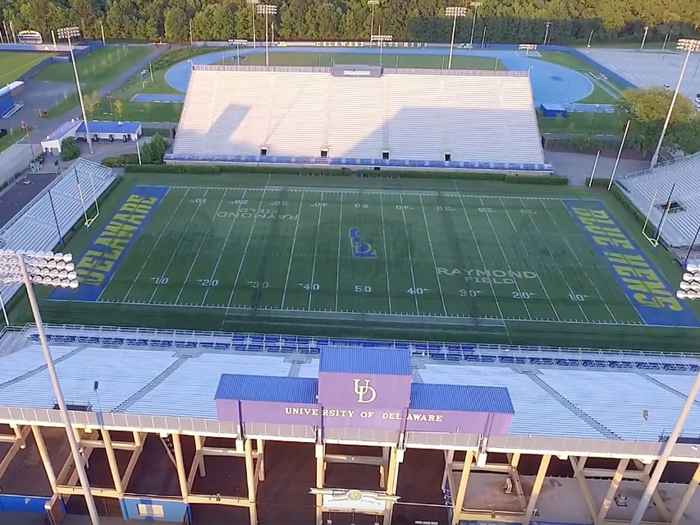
(380, 256)
(14, 65)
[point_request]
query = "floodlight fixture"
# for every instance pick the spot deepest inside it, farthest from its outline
(689, 45)
(546, 32)
(381, 39)
(67, 33)
(267, 10)
(372, 4)
(252, 4)
(476, 6)
(455, 12)
(55, 270)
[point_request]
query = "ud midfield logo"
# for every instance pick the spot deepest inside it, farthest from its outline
(365, 393)
(360, 248)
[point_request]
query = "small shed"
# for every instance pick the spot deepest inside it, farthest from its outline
(552, 110)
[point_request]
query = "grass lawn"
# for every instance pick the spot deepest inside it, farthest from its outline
(13, 136)
(96, 70)
(139, 111)
(408, 258)
(583, 123)
(389, 60)
(14, 65)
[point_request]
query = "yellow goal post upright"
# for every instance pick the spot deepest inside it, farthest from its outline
(655, 236)
(81, 195)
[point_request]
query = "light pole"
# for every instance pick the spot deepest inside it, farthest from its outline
(692, 279)
(267, 9)
(239, 42)
(252, 4)
(102, 29)
(67, 33)
(476, 6)
(546, 33)
(455, 12)
(688, 45)
(381, 39)
(644, 38)
(590, 37)
(55, 270)
(372, 4)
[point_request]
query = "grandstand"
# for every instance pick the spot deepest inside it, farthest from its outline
(360, 116)
(42, 224)
(651, 189)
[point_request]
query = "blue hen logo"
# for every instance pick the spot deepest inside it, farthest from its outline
(360, 249)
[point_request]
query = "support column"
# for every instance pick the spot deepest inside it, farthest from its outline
(45, 458)
(112, 459)
(199, 444)
(384, 467)
(19, 444)
(180, 464)
(261, 459)
(250, 478)
(578, 474)
(612, 490)
(395, 458)
(320, 480)
(534, 496)
(689, 492)
(462, 490)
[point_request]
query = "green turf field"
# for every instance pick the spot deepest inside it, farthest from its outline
(14, 65)
(391, 258)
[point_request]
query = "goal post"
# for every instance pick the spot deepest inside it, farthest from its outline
(655, 236)
(82, 194)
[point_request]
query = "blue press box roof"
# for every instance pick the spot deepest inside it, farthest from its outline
(266, 388)
(110, 127)
(555, 392)
(460, 398)
(362, 360)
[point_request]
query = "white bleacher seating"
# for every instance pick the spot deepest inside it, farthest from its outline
(34, 228)
(416, 116)
(655, 185)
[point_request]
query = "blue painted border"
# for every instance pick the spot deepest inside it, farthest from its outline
(99, 262)
(628, 263)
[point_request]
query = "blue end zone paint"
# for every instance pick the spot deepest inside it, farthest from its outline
(149, 97)
(645, 287)
(360, 249)
(100, 261)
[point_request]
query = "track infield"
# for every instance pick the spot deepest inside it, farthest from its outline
(381, 257)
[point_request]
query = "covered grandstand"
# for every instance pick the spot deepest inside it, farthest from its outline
(360, 116)
(672, 186)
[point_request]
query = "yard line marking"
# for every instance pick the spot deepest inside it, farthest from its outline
(544, 289)
(313, 266)
(432, 252)
(179, 242)
(245, 250)
(223, 248)
(478, 250)
(554, 261)
(160, 237)
(291, 253)
(386, 254)
(340, 242)
(204, 238)
(99, 297)
(585, 271)
(408, 249)
(505, 258)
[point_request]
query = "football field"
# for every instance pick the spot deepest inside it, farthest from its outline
(376, 255)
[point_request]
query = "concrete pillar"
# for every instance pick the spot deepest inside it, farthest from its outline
(112, 459)
(250, 478)
(392, 482)
(689, 492)
(612, 490)
(180, 464)
(462, 490)
(539, 479)
(320, 480)
(199, 444)
(46, 460)
(261, 459)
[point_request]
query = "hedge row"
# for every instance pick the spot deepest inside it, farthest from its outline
(345, 172)
(598, 183)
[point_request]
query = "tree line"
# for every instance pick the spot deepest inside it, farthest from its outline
(502, 21)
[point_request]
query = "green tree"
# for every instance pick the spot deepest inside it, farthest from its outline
(648, 108)
(69, 149)
(176, 25)
(154, 150)
(118, 108)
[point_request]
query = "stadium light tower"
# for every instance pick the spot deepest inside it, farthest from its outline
(476, 6)
(55, 270)
(66, 33)
(381, 39)
(644, 38)
(684, 44)
(267, 9)
(252, 4)
(454, 12)
(372, 4)
(546, 33)
(692, 279)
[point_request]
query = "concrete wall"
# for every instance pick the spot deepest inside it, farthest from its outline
(14, 160)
